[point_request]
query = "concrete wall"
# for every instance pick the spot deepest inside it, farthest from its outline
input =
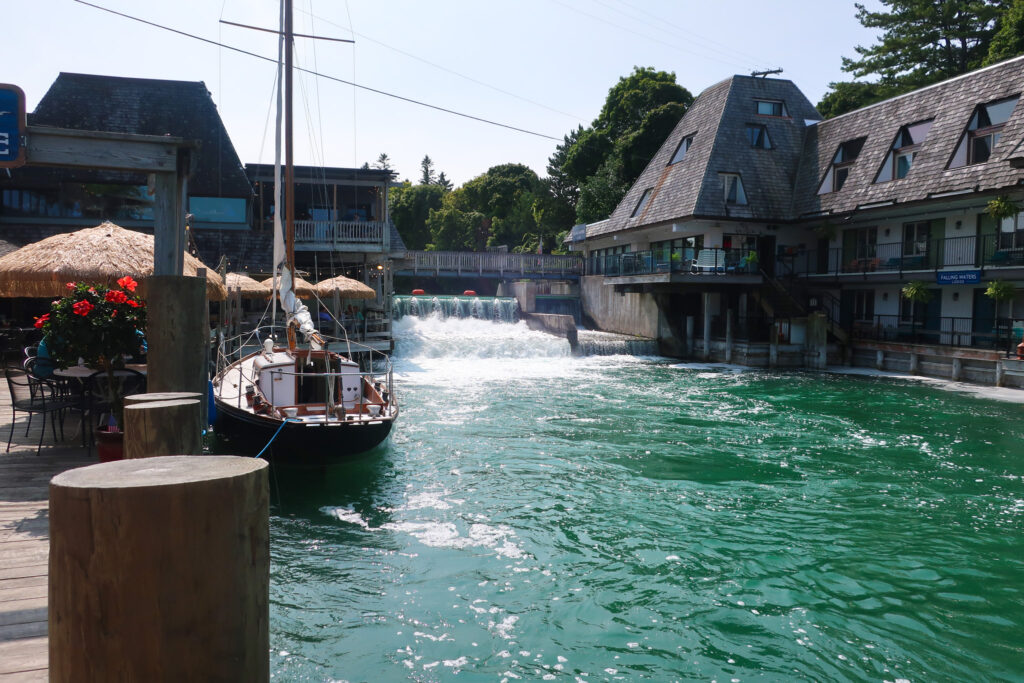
(558, 325)
(635, 314)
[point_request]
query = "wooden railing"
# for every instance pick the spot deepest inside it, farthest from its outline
(343, 232)
(468, 262)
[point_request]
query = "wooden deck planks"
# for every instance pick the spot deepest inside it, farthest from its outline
(24, 538)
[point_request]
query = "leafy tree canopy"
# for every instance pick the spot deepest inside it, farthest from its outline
(923, 42)
(601, 162)
(410, 206)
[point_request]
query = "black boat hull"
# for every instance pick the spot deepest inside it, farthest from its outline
(297, 442)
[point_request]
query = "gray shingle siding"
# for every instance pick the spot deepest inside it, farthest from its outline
(782, 183)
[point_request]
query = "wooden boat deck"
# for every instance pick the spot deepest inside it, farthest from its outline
(25, 539)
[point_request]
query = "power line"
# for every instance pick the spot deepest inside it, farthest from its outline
(645, 36)
(444, 68)
(321, 75)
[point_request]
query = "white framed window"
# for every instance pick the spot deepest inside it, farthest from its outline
(681, 150)
(733, 187)
(642, 203)
(983, 132)
(903, 151)
(839, 170)
(770, 108)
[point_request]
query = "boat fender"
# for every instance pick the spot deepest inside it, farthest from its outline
(469, 292)
(417, 292)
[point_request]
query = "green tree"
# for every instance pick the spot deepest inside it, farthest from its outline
(410, 206)
(428, 176)
(383, 162)
(847, 96)
(601, 162)
(1009, 38)
(443, 182)
(925, 41)
(452, 229)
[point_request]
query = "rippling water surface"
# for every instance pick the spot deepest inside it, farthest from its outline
(542, 517)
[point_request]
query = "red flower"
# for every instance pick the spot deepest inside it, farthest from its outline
(92, 290)
(128, 283)
(82, 308)
(132, 303)
(70, 285)
(41, 320)
(116, 297)
(113, 313)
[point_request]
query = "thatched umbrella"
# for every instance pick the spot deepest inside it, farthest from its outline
(99, 255)
(250, 289)
(346, 287)
(302, 289)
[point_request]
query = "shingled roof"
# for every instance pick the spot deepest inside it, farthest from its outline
(950, 104)
(150, 107)
(717, 120)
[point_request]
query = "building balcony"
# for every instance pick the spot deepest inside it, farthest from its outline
(346, 236)
(893, 259)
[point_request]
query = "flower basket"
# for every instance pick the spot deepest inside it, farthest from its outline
(99, 326)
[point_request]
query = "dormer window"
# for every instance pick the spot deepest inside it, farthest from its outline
(840, 168)
(681, 150)
(983, 132)
(904, 148)
(642, 203)
(770, 108)
(733, 186)
(758, 136)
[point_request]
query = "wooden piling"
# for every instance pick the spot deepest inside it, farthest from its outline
(168, 427)
(159, 571)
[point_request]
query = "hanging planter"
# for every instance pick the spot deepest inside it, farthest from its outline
(1002, 207)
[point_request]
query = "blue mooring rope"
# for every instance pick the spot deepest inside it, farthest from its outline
(286, 421)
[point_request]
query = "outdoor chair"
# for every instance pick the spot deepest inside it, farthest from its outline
(100, 391)
(30, 395)
(709, 261)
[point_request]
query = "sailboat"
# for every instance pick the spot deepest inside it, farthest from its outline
(303, 401)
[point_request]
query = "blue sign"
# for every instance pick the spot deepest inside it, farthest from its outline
(958, 277)
(12, 126)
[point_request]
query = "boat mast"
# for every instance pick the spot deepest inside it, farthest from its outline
(289, 170)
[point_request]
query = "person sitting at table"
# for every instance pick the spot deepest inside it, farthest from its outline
(43, 367)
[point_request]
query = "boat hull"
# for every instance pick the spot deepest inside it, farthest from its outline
(301, 443)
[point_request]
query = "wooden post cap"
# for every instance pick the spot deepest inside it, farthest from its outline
(133, 399)
(164, 470)
(159, 571)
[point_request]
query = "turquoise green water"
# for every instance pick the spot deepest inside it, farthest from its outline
(539, 517)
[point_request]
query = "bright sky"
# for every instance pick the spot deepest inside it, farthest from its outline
(540, 65)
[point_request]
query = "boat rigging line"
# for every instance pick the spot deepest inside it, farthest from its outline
(328, 77)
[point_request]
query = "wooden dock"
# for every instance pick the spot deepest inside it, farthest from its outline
(24, 538)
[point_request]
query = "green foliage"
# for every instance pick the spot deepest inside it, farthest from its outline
(845, 97)
(409, 207)
(924, 41)
(383, 162)
(1001, 290)
(428, 176)
(595, 166)
(98, 324)
(601, 193)
(1009, 38)
(916, 291)
(452, 229)
(1002, 207)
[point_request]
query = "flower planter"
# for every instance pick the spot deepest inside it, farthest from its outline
(109, 444)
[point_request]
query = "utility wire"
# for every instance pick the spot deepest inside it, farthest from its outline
(325, 76)
(674, 46)
(446, 69)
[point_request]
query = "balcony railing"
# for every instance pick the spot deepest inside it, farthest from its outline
(982, 332)
(690, 261)
(493, 262)
(338, 233)
(971, 251)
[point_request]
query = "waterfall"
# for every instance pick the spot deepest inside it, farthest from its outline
(593, 343)
(497, 309)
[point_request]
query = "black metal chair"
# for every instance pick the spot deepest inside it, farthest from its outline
(33, 396)
(101, 392)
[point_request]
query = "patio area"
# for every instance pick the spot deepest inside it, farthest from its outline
(24, 538)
